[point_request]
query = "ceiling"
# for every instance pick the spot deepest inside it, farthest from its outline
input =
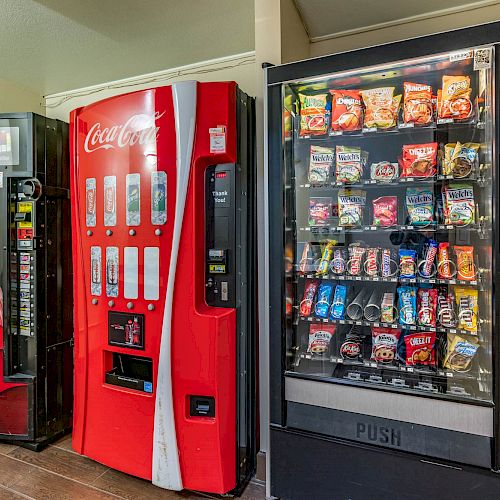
(324, 18)
(57, 45)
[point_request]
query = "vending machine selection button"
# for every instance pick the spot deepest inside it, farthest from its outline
(109, 232)
(131, 232)
(224, 291)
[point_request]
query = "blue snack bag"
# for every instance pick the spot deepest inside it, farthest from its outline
(407, 304)
(322, 306)
(337, 311)
(407, 263)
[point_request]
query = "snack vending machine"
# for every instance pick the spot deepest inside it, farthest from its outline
(36, 340)
(163, 248)
(384, 305)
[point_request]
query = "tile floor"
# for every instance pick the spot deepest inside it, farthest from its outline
(58, 473)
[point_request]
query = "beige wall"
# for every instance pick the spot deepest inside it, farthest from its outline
(406, 30)
(17, 99)
(241, 69)
(295, 43)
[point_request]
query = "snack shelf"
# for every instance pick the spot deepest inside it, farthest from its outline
(386, 229)
(440, 124)
(393, 279)
(438, 372)
(395, 326)
(480, 180)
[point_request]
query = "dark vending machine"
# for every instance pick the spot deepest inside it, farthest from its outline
(35, 279)
(163, 245)
(384, 253)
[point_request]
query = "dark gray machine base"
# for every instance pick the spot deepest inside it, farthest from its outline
(313, 467)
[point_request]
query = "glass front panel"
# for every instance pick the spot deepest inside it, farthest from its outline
(388, 231)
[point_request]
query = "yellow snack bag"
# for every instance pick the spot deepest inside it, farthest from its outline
(466, 299)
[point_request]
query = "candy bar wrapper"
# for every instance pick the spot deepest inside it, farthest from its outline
(308, 298)
(323, 300)
(339, 261)
(444, 271)
(431, 250)
(407, 304)
(466, 270)
(420, 349)
(386, 266)
(420, 206)
(320, 337)
(466, 299)
(427, 306)
(445, 308)
(312, 114)
(326, 257)
(460, 353)
(384, 344)
(356, 254)
(384, 171)
(320, 164)
(352, 347)
(350, 162)
(371, 261)
(351, 207)
(458, 204)
(407, 263)
(310, 254)
(337, 311)
(387, 308)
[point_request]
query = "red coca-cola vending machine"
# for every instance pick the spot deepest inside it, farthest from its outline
(163, 185)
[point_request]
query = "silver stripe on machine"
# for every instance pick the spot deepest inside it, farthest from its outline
(131, 272)
(448, 415)
(166, 468)
(151, 273)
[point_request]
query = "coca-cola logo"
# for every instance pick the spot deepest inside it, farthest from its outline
(109, 200)
(138, 129)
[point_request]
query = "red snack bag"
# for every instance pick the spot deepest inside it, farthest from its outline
(426, 306)
(417, 105)
(320, 336)
(419, 160)
(420, 349)
(384, 344)
(385, 211)
(307, 301)
(347, 110)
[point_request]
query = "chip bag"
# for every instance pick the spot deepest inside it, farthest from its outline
(385, 211)
(417, 106)
(384, 344)
(320, 210)
(458, 204)
(349, 163)
(466, 299)
(351, 207)
(454, 99)
(320, 336)
(459, 159)
(312, 114)
(381, 107)
(459, 353)
(419, 160)
(347, 110)
(419, 205)
(320, 163)
(420, 349)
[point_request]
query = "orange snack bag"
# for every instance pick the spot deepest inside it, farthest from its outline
(454, 99)
(466, 270)
(381, 107)
(417, 107)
